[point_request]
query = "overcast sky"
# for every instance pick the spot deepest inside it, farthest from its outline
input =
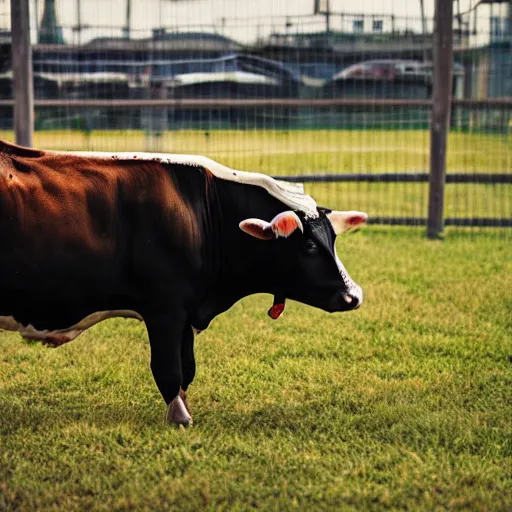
(198, 14)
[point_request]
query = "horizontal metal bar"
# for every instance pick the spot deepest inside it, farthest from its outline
(484, 222)
(399, 177)
(223, 103)
(455, 221)
(499, 103)
(227, 103)
(491, 178)
(398, 221)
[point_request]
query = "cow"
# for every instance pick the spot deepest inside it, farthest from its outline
(171, 240)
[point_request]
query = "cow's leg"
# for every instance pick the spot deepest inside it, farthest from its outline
(188, 363)
(165, 338)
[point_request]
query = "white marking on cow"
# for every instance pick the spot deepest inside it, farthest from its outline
(9, 323)
(291, 194)
(352, 288)
(341, 222)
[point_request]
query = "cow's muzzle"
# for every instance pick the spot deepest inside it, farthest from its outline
(347, 299)
(351, 300)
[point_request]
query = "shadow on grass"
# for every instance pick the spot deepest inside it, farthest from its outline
(39, 408)
(20, 410)
(285, 417)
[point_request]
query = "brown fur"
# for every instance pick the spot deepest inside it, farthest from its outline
(78, 196)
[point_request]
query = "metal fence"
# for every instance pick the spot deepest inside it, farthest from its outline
(340, 101)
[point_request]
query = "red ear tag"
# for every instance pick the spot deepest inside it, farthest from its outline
(275, 311)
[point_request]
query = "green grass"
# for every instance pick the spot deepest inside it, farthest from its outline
(301, 152)
(403, 404)
(333, 151)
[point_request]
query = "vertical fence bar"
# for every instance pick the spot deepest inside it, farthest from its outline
(441, 104)
(23, 87)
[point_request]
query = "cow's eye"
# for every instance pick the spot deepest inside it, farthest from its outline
(310, 246)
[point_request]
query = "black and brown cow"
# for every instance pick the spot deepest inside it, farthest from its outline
(173, 240)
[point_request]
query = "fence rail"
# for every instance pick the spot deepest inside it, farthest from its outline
(235, 103)
(399, 177)
(449, 221)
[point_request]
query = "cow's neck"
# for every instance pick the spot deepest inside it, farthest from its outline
(242, 265)
(250, 259)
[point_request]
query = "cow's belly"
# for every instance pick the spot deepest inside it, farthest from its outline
(60, 336)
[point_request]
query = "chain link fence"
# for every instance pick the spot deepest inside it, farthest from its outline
(341, 101)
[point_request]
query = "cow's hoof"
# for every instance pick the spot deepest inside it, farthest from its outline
(183, 395)
(177, 413)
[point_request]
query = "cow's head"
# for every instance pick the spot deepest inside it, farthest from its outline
(305, 266)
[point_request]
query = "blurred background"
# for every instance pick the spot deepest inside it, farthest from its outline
(346, 86)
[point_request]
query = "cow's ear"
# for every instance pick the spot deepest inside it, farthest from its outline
(257, 228)
(343, 221)
(283, 224)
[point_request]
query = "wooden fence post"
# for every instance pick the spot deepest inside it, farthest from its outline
(441, 105)
(23, 86)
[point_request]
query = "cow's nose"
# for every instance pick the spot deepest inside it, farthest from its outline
(351, 300)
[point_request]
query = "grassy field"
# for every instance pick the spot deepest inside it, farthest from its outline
(300, 152)
(403, 404)
(333, 151)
